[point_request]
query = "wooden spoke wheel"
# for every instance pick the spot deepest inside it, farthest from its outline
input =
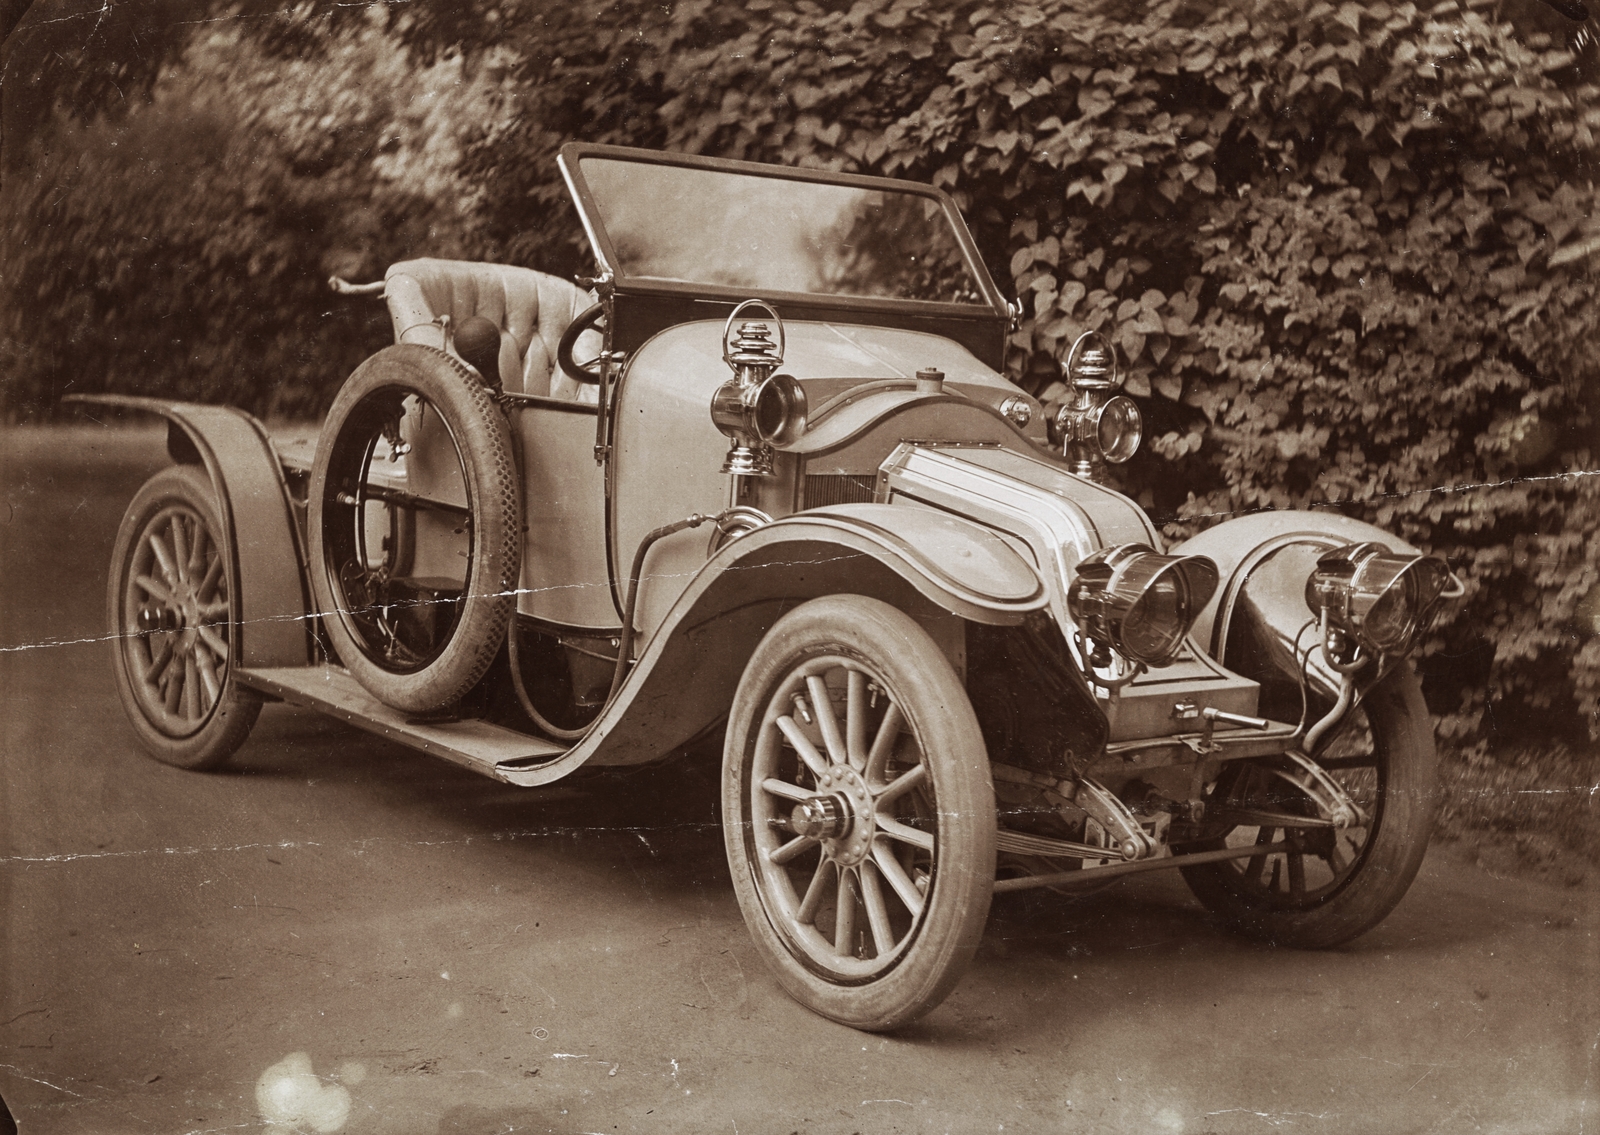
(858, 812)
(173, 618)
(1328, 884)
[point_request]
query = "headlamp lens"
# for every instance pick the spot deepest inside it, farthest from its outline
(1159, 619)
(1120, 429)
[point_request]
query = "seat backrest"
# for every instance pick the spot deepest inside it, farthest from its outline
(532, 310)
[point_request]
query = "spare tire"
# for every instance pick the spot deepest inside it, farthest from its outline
(415, 528)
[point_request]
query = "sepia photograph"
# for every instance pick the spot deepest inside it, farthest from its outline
(799, 567)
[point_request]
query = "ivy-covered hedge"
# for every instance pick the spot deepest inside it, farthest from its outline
(1346, 248)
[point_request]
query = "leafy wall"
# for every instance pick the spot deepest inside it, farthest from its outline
(1346, 248)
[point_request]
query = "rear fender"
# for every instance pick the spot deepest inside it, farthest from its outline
(265, 563)
(1254, 622)
(938, 568)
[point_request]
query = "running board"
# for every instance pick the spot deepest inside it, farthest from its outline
(492, 750)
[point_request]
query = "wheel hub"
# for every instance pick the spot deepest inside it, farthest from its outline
(157, 620)
(821, 818)
(845, 791)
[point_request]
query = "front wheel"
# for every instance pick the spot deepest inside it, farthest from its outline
(858, 812)
(174, 617)
(1329, 885)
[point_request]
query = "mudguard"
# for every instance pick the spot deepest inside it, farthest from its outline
(1259, 611)
(927, 563)
(266, 564)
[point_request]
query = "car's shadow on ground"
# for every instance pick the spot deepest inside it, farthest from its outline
(659, 826)
(666, 813)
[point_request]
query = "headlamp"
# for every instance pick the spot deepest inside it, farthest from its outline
(1096, 426)
(771, 410)
(1140, 602)
(756, 408)
(1382, 600)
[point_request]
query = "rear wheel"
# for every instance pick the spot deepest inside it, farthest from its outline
(173, 617)
(415, 528)
(858, 812)
(1328, 885)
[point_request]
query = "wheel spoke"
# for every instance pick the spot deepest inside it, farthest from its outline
(1335, 861)
(208, 678)
(1297, 875)
(856, 720)
(782, 855)
(191, 687)
(786, 790)
(164, 558)
(1252, 869)
(910, 897)
(877, 909)
(844, 916)
(903, 783)
(814, 760)
(200, 546)
(213, 573)
(218, 644)
(156, 589)
(883, 744)
(894, 829)
(158, 663)
(180, 549)
(173, 676)
(822, 706)
(816, 891)
(1354, 847)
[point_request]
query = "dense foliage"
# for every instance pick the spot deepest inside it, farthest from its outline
(181, 246)
(1345, 247)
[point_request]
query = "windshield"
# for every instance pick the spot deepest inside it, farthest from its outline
(762, 234)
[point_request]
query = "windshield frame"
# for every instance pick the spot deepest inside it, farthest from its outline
(569, 162)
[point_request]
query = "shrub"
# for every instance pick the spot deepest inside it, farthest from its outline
(182, 248)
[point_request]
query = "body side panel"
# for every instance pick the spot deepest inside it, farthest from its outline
(930, 565)
(666, 459)
(564, 575)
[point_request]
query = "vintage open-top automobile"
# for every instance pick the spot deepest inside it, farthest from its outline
(763, 475)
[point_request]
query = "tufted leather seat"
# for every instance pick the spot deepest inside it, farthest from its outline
(532, 310)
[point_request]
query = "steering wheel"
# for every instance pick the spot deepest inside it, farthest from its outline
(586, 371)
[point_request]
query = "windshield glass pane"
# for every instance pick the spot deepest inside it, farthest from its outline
(773, 234)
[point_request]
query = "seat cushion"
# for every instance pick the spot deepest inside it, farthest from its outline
(532, 310)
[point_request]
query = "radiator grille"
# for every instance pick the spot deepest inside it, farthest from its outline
(838, 488)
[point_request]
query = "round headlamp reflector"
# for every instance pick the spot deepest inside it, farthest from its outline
(1139, 601)
(780, 409)
(1387, 601)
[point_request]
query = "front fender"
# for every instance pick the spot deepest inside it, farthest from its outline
(927, 563)
(1255, 618)
(265, 564)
